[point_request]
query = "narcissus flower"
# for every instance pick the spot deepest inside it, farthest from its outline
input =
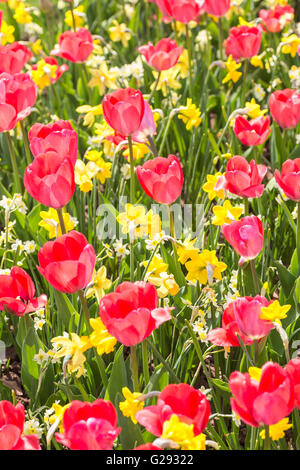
(211, 188)
(74, 348)
(89, 426)
(100, 338)
(103, 78)
(132, 404)
(285, 107)
(163, 56)
(254, 132)
(245, 236)
(277, 431)
(204, 267)
(99, 284)
(75, 46)
(243, 42)
(68, 262)
(232, 70)
(119, 32)
(247, 313)
(50, 222)
(189, 404)
(17, 292)
(266, 401)
(226, 214)
(190, 115)
(274, 312)
(12, 419)
(131, 313)
(161, 179)
(47, 71)
(289, 179)
(183, 434)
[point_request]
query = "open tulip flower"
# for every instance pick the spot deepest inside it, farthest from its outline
(263, 400)
(289, 179)
(161, 179)
(254, 132)
(245, 236)
(285, 107)
(219, 8)
(131, 313)
(243, 42)
(12, 426)
(17, 293)
(75, 46)
(247, 314)
(163, 56)
(68, 262)
(13, 57)
(183, 11)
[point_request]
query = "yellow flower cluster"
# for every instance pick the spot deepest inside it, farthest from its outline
(96, 167)
(43, 74)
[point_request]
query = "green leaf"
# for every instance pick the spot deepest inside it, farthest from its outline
(221, 385)
(30, 371)
(65, 309)
(118, 377)
(286, 278)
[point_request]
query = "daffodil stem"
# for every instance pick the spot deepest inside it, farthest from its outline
(14, 162)
(145, 363)
(72, 14)
(220, 25)
(256, 352)
(267, 444)
(254, 276)
(165, 134)
(85, 309)
(246, 63)
(246, 207)
(172, 225)
(298, 237)
(134, 368)
(189, 49)
(26, 143)
(61, 220)
(132, 198)
(154, 88)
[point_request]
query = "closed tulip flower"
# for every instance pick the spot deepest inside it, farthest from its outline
(275, 19)
(161, 179)
(163, 56)
(289, 179)
(254, 132)
(12, 420)
(219, 8)
(189, 404)
(124, 110)
(89, 426)
(17, 293)
(68, 262)
(285, 107)
(242, 178)
(183, 11)
(131, 313)
(226, 336)
(247, 312)
(50, 179)
(245, 236)
(262, 402)
(146, 128)
(13, 57)
(17, 97)
(57, 137)
(75, 46)
(243, 42)
(293, 367)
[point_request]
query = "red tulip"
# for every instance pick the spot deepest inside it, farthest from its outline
(17, 293)
(219, 8)
(265, 402)
(189, 404)
(289, 179)
(75, 46)
(124, 110)
(247, 311)
(131, 313)
(11, 428)
(18, 94)
(56, 137)
(254, 132)
(60, 69)
(67, 263)
(245, 236)
(183, 11)
(50, 179)
(243, 42)
(293, 367)
(272, 19)
(285, 107)
(89, 426)
(161, 179)
(163, 56)
(13, 57)
(242, 178)
(227, 335)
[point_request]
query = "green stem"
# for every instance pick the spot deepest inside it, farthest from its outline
(134, 368)
(220, 25)
(72, 14)
(165, 134)
(154, 88)
(162, 360)
(132, 198)
(101, 367)
(14, 162)
(145, 363)
(246, 207)
(298, 237)
(267, 444)
(188, 45)
(85, 309)
(246, 63)
(26, 142)
(61, 221)
(254, 276)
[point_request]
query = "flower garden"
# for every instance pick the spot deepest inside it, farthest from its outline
(150, 225)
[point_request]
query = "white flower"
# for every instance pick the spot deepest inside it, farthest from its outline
(120, 249)
(41, 357)
(32, 426)
(30, 246)
(39, 323)
(259, 92)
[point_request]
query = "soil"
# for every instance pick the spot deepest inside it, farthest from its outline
(11, 375)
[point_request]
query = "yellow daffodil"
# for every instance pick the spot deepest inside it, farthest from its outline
(168, 80)
(79, 17)
(133, 220)
(58, 414)
(37, 47)
(183, 64)
(43, 74)
(255, 373)
(74, 347)
(183, 434)
(6, 33)
(156, 266)
(100, 338)
(274, 312)
(226, 214)
(50, 222)
(139, 151)
(290, 45)
(256, 61)
(22, 15)
(84, 174)
(209, 187)
(131, 405)
(205, 266)
(186, 250)
(99, 284)
(103, 78)
(166, 284)
(190, 115)
(232, 73)
(103, 170)
(90, 113)
(119, 32)
(277, 430)
(253, 109)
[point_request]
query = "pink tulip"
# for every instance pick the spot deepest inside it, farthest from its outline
(13, 57)
(254, 132)
(289, 179)
(285, 107)
(243, 42)
(247, 311)
(163, 56)
(75, 46)
(147, 126)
